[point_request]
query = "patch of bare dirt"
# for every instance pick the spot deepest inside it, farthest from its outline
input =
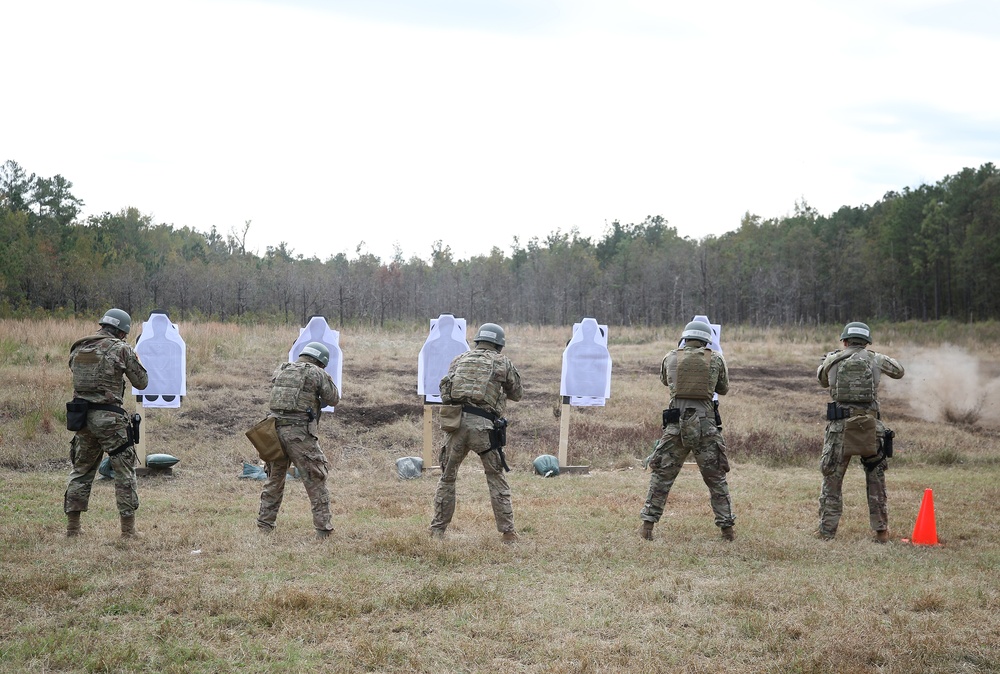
(377, 414)
(772, 378)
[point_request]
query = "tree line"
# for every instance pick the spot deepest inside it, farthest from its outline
(917, 254)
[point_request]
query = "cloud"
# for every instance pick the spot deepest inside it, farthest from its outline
(329, 123)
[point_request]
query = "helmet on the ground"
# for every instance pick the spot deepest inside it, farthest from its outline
(697, 330)
(856, 330)
(490, 332)
(118, 319)
(318, 351)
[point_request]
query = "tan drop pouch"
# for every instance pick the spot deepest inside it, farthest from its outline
(264, 437)
(451, 418)
(859, 436)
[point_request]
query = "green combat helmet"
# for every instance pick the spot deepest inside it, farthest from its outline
(118, 319)
(856, 330)
(490, 332)
(318, 351)
(697, 330)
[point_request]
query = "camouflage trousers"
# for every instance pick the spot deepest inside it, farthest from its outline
(472, 436)
(702, 438)
(105, 432)
(301, 450)
(831, 502)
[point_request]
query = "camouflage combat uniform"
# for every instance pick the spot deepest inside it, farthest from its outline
(834, 462)
(696, 432)
(299, 390)
(484, 379)
(100, 364)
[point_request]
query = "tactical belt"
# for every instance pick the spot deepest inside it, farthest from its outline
(479, 412)
(280, 423)
(835, 411)
(105, 408)
(307, 418)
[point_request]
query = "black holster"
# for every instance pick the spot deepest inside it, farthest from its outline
(498, 440)
(887, 443)
(136, 420)
(715, 408)
(498, 436)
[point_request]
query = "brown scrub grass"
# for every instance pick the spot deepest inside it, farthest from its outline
(202, 591)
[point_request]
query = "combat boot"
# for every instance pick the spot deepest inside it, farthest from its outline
(128, 527)
(73, 524)
(509, 537)
(323, 534)
(646, 531)
(882, 536)
(728, 534)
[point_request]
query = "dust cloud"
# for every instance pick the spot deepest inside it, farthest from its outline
(948, 384)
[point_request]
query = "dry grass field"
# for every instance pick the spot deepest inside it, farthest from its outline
(201, 591)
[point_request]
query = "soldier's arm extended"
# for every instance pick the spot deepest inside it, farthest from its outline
(889, 366)
(327, 392)
(512, 386)
(134, 370)
(722, 384)
(823, 371)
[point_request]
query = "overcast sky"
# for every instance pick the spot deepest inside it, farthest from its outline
(397, 123)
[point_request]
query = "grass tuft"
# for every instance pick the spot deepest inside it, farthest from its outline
(201, 591)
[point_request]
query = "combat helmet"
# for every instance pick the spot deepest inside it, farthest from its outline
(697, 330)
(318, 351)
(856, 330)
(490, 332)
(117, 319)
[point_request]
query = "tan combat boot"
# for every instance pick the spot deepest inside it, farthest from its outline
(509, 537)
(728, 534)
(73, 524)
(646, 531)
(128, 527)
(882, 536)
(323, 534)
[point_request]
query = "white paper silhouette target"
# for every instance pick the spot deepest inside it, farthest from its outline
(164, 355)
(445, 340)
(317, 330)
(586, 365)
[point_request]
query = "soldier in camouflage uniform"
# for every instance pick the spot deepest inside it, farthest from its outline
(481, 381)
(854, 427)
(693, 373)
(100, 363)
(299, 391)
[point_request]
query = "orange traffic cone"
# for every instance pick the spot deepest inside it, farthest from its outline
(925, 530)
